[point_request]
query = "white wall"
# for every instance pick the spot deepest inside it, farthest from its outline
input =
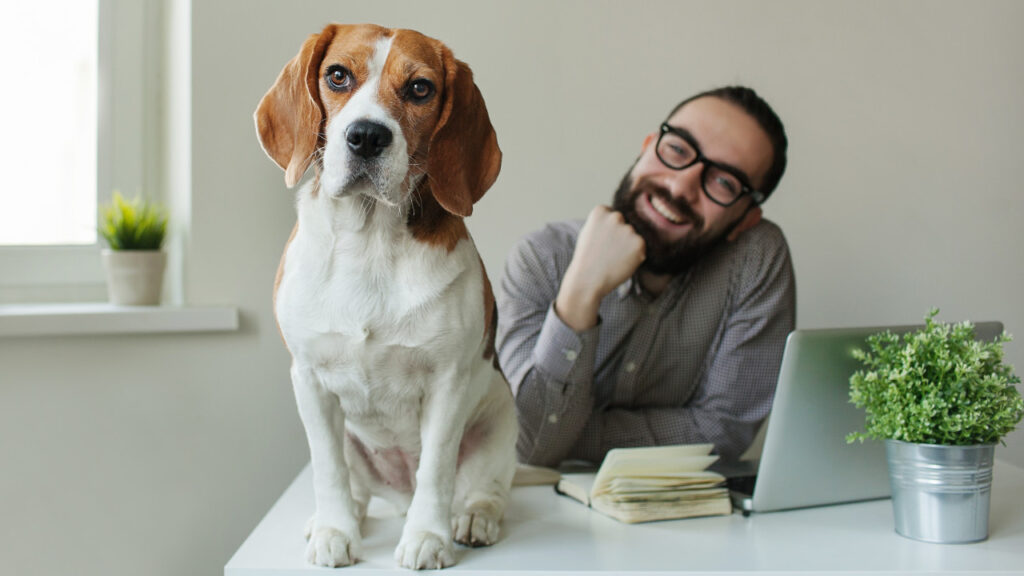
(158, 454)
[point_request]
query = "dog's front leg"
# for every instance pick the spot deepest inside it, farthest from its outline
(426, 539)
(334, 537)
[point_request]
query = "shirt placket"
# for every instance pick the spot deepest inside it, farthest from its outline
(637, 358)
(631, 368)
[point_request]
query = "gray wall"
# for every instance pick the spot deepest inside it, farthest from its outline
(158, 454)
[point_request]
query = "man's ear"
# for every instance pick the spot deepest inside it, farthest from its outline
(288, 117)
(750, 219)
(648, 140)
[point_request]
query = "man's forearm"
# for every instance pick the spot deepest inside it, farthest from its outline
(551, 417)
(577, 304)
(551, 372)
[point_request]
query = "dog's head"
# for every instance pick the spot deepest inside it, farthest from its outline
(377, 111)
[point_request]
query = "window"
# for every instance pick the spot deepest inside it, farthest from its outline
(80, 121)
(48, 152)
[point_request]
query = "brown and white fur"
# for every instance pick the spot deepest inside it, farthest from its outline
(381, 297)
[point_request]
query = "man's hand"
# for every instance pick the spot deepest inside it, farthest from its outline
(608, 251)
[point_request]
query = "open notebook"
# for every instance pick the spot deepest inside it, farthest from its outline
(655, 483)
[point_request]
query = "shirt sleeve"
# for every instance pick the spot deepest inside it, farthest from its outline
(736, 392)
(549, 366)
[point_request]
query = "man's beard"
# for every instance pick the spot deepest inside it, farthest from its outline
(663, 257)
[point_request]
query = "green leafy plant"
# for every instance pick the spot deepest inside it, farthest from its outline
(938, 385)
(135, 225)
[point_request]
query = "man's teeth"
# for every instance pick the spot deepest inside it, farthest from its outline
(665, 211)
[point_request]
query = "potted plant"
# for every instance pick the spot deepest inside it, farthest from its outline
(941, 400)
(134, 263)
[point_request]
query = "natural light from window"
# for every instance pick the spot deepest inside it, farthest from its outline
(48, 147)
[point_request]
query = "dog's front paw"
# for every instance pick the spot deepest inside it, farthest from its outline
(424, 551)
(331, 547)
(475, 528)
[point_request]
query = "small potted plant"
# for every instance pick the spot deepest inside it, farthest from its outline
(940, 399)
(134, 263)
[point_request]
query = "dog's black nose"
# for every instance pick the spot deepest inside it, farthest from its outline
(367, 139)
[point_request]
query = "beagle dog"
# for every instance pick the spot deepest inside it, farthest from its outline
(381, 297)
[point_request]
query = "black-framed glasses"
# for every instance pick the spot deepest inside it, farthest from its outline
(723, 184)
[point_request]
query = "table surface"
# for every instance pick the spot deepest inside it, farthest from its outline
(544, 533)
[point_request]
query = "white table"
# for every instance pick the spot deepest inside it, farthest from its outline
(544, 533)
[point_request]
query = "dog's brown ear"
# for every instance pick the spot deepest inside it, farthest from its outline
(288, 117)
(464, 158)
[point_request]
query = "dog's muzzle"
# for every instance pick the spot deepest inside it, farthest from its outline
(370, 161)
(367, 139)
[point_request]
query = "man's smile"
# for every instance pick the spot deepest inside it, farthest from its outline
(665, 210)
(668, 219)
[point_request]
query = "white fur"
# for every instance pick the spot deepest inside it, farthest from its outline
(387, 336)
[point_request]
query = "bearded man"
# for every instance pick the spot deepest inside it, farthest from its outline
(662, 319)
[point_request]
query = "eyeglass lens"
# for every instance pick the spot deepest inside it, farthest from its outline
(677, 153)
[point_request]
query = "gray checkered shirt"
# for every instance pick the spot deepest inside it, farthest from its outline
(698, 363)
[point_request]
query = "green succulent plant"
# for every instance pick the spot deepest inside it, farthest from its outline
(135, 225)
(937, 385)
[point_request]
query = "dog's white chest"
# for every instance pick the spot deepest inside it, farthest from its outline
(358, 297)
(372, 313)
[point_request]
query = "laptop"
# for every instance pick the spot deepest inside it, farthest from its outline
(806, 460)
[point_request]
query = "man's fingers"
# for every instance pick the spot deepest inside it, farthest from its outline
(608, 250)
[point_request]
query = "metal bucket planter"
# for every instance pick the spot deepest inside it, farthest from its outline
(940, 493)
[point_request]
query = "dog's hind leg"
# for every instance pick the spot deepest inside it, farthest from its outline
(486, 466)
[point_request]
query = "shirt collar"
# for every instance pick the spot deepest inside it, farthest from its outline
(630, 286)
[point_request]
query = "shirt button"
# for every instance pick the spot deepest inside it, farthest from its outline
(630, 366)
(570, 355)
(553, 418)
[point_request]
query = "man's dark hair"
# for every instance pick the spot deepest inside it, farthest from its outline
(760, 111)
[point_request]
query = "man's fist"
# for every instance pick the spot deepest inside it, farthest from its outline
(608, 251)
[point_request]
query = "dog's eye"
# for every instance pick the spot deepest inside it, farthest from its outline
(420, 90)
(338, 78)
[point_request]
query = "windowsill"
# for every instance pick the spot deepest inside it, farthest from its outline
(103, 318)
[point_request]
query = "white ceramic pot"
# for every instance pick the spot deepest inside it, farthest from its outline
(134, 277)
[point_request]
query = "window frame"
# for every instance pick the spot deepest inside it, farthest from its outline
(128, 64)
